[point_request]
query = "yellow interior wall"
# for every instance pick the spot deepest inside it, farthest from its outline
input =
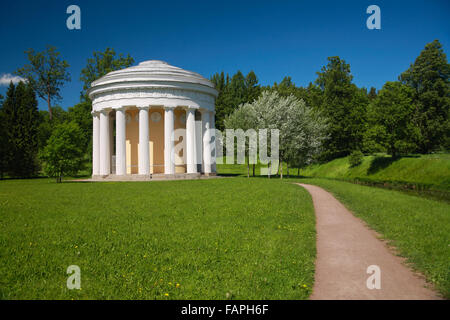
(132, 142)
(156, 142)
(180, 167)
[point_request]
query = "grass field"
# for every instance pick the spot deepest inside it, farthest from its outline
(419, 228)
(207, 239)
(226, 238)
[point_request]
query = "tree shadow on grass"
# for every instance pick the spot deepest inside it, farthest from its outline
(229, 174)
(381, 162)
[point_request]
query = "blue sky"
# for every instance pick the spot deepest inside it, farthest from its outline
(273, 38)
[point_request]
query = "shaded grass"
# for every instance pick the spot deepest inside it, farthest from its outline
(419, 228)
(206, 239)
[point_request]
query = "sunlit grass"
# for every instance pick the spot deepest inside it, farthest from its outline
(232, 238)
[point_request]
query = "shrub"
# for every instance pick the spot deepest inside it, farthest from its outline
(63, 154)
(355, 158)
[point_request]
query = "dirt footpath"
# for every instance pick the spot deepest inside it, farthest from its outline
(346, 248)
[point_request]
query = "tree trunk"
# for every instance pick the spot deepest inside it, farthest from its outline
(253, 169)
(248, 167)
(280, 167)
(49, 107)
(269, 166)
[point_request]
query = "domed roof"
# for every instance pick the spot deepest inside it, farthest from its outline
(152, 70)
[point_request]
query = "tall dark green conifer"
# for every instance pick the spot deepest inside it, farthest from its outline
(21, 121)
(4, 148)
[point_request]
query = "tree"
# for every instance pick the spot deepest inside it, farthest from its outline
(101, 64)
(81, 115)
(244, 118)
(63, 154)
(429, 76)
(372, 93)
(392, 118)
(252, 87)
(344, 105)
(20, 118)
(233, 92)
(46, 126)
(4, 143)
(46, 73)
(301, 130)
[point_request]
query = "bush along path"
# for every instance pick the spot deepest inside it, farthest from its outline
(352, 263)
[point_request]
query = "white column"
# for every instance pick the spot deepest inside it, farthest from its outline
(104, 143)
(169, 148)
(190, 140)
(121, 159)
(144, 157)
(213, 139)
(111, 142)
(206, 164)
(95, 143)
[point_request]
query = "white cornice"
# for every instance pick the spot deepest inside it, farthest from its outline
(152, 82)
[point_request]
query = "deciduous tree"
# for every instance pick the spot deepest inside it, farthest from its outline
(46, 72)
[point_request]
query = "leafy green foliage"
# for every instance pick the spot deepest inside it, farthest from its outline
(63, 154)
(46, 126)
(391, 115)
(301, 131)
(46, 73)
(101, 64)
(344, 105)
(429, 76)
(81, 115)
(355, 158)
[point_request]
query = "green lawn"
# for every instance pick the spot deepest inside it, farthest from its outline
(419, 228)
(206, 239)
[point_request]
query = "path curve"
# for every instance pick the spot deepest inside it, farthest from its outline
(346, 247)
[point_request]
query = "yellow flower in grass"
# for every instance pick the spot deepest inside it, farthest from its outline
(166, 294)
(178, 285)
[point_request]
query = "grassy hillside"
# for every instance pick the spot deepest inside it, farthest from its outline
(426, 171)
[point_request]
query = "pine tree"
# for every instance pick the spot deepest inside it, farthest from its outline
(4, 147)
(21, 121)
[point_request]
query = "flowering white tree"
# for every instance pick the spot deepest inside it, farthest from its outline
(301, 130)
